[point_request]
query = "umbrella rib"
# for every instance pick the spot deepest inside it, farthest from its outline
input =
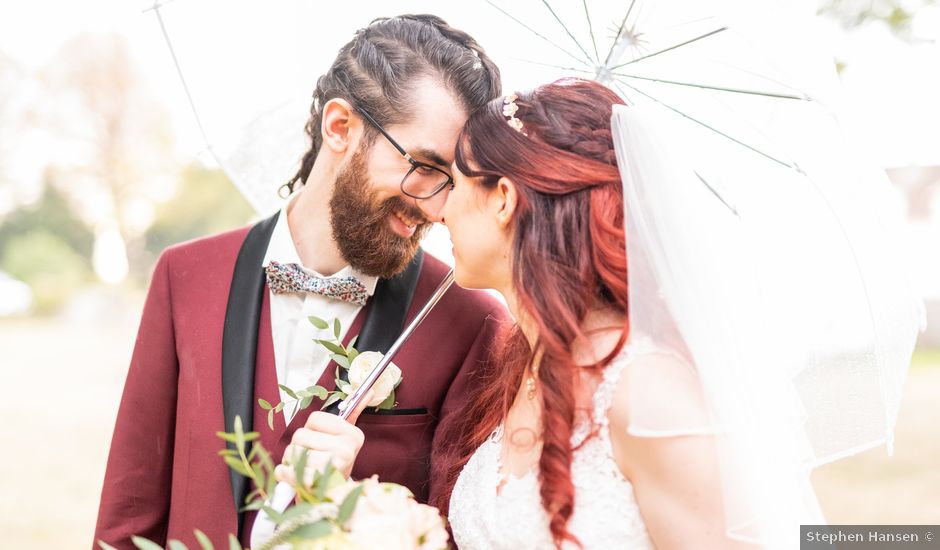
(716, 88)
(536, 33)
(552, 65)
(791, 165)
(670, 48)
(567, 31)
(623, 24)
(805, 95)
(717, 194)
(157, 4)
(587, 15)
(179, 71)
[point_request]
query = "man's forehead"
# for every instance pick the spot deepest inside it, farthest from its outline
(437, 119)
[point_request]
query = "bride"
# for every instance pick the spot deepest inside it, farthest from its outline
(546, 458)
(609, 420)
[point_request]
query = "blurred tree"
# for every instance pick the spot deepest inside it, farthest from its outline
(898, 15)
(206, 202)
(52, 213)
(115, 138)
(48, 264)
(47, 246)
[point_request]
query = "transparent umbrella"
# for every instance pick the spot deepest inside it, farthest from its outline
(742, 92)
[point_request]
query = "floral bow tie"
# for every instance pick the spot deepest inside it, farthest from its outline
(283, 278)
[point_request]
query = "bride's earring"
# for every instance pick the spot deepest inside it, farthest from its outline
(530, 383)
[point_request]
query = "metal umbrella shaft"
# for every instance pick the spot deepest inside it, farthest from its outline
(347, 406)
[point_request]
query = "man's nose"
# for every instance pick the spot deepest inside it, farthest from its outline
(433, 207)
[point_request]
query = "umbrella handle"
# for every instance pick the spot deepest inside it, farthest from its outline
(284, 494)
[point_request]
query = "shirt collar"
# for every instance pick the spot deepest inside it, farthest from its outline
(281, 250)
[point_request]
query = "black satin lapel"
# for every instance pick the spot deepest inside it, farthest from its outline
(388, 309)
(390, 304)
(240, 340)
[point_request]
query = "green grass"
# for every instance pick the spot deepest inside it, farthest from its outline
(925, 358)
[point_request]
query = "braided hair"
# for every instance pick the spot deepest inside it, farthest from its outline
(373, 71)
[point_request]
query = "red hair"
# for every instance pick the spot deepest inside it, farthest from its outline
(568, 258)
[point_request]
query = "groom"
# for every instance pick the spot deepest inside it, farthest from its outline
(215, 337)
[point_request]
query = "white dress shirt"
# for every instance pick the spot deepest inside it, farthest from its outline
(299, 360)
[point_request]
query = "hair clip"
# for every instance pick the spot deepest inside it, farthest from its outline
(509, 111)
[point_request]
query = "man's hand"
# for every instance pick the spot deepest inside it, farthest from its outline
(326, 438)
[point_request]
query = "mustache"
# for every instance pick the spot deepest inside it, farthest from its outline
(397, 204)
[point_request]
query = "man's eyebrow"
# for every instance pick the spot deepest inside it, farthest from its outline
(429, 154)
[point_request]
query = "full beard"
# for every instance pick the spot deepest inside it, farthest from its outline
(360, 226)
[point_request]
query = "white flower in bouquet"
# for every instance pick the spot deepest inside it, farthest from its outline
(359, 370)
(427, 524)
(388, 517)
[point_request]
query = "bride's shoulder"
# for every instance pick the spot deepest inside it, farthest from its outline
(656, 389)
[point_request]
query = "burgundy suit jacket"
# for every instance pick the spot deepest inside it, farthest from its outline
(204, 354)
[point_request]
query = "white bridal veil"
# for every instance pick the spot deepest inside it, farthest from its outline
(785, 298)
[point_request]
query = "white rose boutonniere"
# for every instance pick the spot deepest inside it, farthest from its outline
(357, 367)
(384, 387)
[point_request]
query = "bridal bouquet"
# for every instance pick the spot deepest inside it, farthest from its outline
(332, 512)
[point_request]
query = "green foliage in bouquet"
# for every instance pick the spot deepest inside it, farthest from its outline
(326, 515)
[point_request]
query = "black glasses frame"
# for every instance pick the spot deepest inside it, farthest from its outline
(415, 164)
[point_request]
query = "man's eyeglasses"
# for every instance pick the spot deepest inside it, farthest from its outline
(422, 181)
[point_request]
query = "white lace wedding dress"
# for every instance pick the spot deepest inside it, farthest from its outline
(606, 514)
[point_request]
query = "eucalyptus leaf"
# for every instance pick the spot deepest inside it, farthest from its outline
(176, 545)
(348, 506)
(237, 465)
(311, 531)
(332, 346)
(351, 353)
(320, 392)
(296, 511)
(279, 407)
(230, 437)
(317, 322)
(271, 419)
(389, 402)
(336, 328)
(274, 514)
(306, 402)
(240, 439)
(322, 482)
(228, 452)
(252, 506)
(288, 391)
(264, 404)
(352, 343)
(204, 541)
(333, 398)
(105, 546)
(300, 464)
(341, 360)
(233, 543)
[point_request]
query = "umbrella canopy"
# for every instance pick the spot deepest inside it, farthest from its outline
(741, 92)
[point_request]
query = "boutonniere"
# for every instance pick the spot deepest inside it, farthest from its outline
(356, 366)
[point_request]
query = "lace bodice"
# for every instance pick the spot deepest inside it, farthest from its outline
(606, 514)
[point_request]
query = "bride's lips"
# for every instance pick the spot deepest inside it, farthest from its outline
(402, 226)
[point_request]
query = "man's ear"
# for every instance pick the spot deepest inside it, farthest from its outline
(506, 198)
(338, 127)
